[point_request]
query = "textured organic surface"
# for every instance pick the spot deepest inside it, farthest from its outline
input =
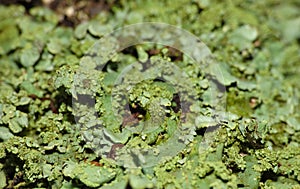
(45, 144)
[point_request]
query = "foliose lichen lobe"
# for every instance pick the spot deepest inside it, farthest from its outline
(257, 141)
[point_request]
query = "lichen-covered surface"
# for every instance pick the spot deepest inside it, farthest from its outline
(256, 145)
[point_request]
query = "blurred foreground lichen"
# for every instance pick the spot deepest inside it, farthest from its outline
(256, 145)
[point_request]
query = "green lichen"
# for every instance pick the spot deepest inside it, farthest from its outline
(47, 142)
